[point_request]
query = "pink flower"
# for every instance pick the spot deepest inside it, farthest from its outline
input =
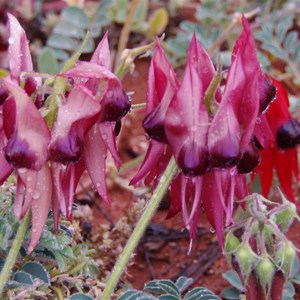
(49, 163)
(210, 148)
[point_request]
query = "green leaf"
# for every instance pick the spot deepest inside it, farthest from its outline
(60, 260)
(200, 293)
(282, 28)
(233, 278)
(62, 42)
(296, 52)
(68, 29)
(140, 14)
(289, 290)
(230, 293)
(61, 54)
(134, 294)
(76, 17)
(162, 287)
(81, 296)
(295, 267)
(23, 278)
(36, 270)
(183, 283)
(47, 61)
(290, 40)
(169, 297)
(296, 279)
(274, 50)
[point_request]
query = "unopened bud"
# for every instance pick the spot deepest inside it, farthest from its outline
(265, 270)
(284, 217)
(246, 259)
(284, 257)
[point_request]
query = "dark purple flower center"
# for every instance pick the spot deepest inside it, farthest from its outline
(18, 154)
(115, 104)
(267, 93)
(288, 134)
(249, 160)
(154, 125)
(67, 149)
(192, 160)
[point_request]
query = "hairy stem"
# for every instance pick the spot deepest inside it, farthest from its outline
(14, 250)
(140, 227)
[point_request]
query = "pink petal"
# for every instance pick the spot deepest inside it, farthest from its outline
(95, 156)
(242, 85)
(201, 60)
(187, 124)
(27, 132)
(41, 201)
(101, 55)
(74, 120)
(153, 155)
(6, 169)
(108, 135)
(162, 85)
(18, 50)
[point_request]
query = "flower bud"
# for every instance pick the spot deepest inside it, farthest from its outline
(231, 243)
(285, 216)
(246, 259)
(284, 257)
(265, 270)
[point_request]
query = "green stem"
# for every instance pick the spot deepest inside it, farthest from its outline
(126, 31)
(14, 251)
(140, 227)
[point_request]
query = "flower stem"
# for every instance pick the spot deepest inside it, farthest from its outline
(126, 31)
(14, 251)
(140, 227)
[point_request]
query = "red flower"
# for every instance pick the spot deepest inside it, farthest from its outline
(280, 155)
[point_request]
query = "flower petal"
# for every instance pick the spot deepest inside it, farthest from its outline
(18, 50)
(41, 201)
(95, 156)
(101, 55)
(187, 123)
(162, 85)
(27, 133)
(74, 120)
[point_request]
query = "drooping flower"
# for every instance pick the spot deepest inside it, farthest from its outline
(281, 154)
(213, 150)
(49, 162)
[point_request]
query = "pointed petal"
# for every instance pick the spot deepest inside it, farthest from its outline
(202, 62)
(101, 55)
(162, 85)
(212, 203)
(95, 156)
(242, 86)
(154, 153)
(41, 201)
(187, 124)
(27, 133)
(284, 167)
(175, 202)
(224, 137)
(74, 119)
(6, 169)
(108, 135)
(265, 170)
(18, 50)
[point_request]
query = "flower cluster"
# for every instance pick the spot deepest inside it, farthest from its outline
(281, 153)
(209, 129)
(87, 101)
